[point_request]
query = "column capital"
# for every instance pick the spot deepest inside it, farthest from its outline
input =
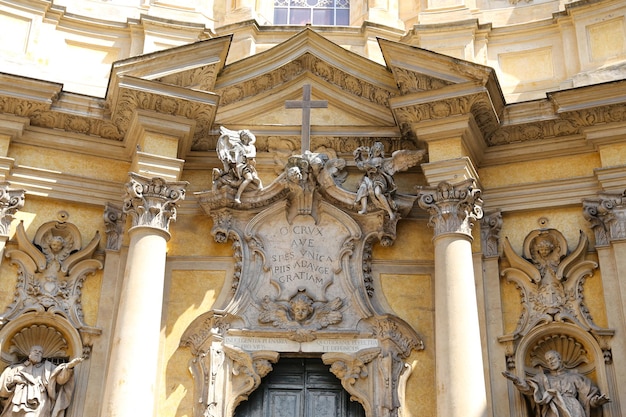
(10, 202)
(607, 215)
(452, 208)
(151, 202)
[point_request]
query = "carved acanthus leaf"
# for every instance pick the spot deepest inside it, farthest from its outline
(152, 201)
(452, 208)
(550, 280)
(607, 215)
(51, 271)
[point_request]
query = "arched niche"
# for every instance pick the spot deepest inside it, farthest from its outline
(54, 333)
(579, 350)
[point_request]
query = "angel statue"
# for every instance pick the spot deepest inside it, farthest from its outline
(237, 151)
(378, 183)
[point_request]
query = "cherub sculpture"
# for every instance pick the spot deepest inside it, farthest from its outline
(301, 314)
(378, 184)
(237, 152)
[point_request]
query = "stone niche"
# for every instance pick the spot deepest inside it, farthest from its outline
(299, 287)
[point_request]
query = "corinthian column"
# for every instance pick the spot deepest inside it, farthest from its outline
(458, 354)
(132, 372)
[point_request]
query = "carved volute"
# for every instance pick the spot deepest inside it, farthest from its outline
(300, 286)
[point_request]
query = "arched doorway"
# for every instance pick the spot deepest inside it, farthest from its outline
(300, 387)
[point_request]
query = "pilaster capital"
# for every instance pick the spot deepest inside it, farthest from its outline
(607, 215)
(452, 208)
(151, 202)
(10, 202)
(490, 227)
(114, 220)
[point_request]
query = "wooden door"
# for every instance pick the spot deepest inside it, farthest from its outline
(300, 387)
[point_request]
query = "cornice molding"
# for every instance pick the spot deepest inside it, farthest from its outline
(540, 195)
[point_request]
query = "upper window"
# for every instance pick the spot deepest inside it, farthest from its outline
(315, 12)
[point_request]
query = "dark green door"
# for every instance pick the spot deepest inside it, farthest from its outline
(299, 387)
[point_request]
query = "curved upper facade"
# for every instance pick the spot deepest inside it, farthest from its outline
(534, 46)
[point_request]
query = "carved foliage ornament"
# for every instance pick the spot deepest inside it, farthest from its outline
(550, 280)
(152, 201)
(10, 202)
(452, 208)
(51, 271)
(607, 216)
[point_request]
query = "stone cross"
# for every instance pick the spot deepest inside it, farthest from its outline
(306, 104)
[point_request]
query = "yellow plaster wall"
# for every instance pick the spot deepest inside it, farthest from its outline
(413, 241)
(411, 298)
(613, 155)
(191, 294)
(191, 236)
(539, 170)
(70, 163)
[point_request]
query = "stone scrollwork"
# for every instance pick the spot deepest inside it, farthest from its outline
(152, 201)
(114, 220)
(490, 226)
(11, 200)
(550, 280)
(452, 208)
(607, 215)
(224, 375)
(353, 371)
(51, 271)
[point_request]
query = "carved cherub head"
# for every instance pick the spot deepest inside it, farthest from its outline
(301, 307)
(543, 248)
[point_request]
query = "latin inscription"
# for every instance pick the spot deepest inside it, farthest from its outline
(305, 258)
(279, 344)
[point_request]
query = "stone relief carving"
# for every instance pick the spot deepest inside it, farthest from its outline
(114, 221)
(560, 392)
(152, 201)
(550, 280)
(301, 315)
(452, 208)
(413, 82)
(607, 215)
(51, 271)
(490, 226)
(303, 283)
(11, 200)
(377, 185)
(237, 151)
(36, 387)
(306, 63)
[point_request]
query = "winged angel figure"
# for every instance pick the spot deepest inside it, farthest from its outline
(301, 314)
(550, 279)
(237, 152)
(377, 183)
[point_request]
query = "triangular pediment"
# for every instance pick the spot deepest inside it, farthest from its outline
(254, 90)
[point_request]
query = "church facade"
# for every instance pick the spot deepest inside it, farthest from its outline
(331, 208)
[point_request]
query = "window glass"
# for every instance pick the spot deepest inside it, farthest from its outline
(316, 12)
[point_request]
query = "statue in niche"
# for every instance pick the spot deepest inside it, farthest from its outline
(237, 152)
(36, 387)
(378, 184)
(560, 392)
(301, 314)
